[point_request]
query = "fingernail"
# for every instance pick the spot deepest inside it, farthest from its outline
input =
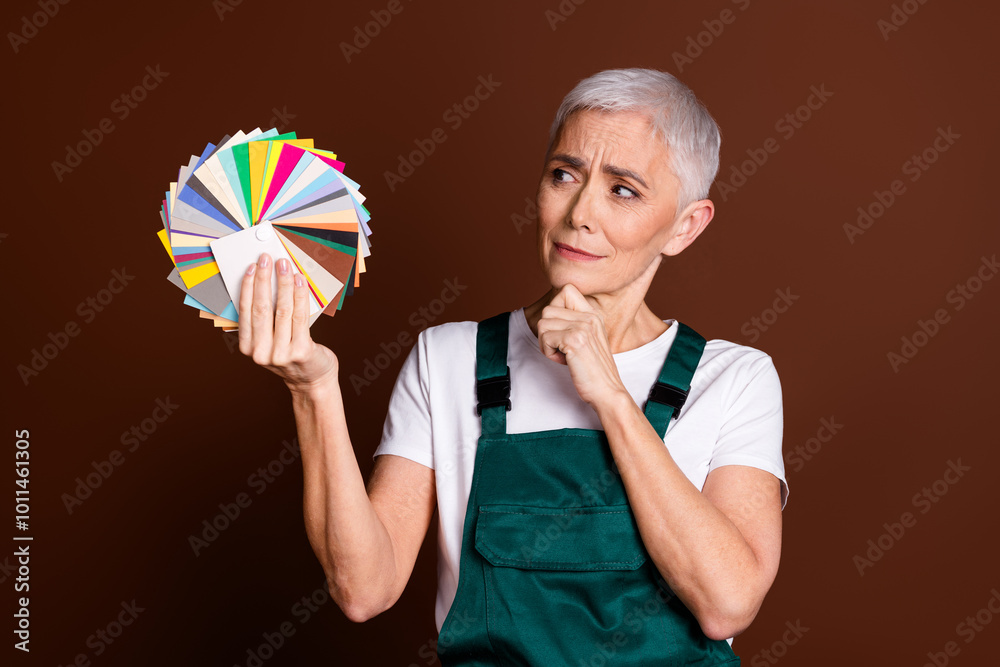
(282, 266)
(299, 281)
(251, 269)
(263, 261)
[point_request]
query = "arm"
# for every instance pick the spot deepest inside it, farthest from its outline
(718, 549)
(718, 552)
(366, 540)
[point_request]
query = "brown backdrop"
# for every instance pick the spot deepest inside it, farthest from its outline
(914, 280)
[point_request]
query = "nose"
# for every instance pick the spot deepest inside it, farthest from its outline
(581, 212)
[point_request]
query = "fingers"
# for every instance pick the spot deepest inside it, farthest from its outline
(554, 325)
(570, 303)
(550, 324)
(261, 317)
(552, 332)
(246, 299)
(553, 314)
(549, 342)
(300, 313)
(575, 299)
(568, 323)
(283, 312)
(278, 336)
(570, 297)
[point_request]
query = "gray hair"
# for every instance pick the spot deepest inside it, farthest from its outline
(678, 118)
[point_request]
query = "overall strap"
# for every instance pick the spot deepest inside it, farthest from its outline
(671, 389)
(493, 374)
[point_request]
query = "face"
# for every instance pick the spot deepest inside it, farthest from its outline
(607, 191)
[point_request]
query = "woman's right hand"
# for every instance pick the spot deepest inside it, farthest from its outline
(278, 339)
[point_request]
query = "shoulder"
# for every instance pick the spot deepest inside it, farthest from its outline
(448, 347)
(726, 354)
(462, 335)
(450, 335)
(732, 367)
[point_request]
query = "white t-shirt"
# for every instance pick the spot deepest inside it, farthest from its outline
(733, 414)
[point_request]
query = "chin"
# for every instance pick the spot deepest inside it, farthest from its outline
(560, 279)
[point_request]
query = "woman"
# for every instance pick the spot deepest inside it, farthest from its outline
(609, 485)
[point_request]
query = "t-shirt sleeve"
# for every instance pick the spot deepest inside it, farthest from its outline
(751, 430)
(407, 428)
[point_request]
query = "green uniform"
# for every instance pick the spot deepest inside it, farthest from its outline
(553, 570)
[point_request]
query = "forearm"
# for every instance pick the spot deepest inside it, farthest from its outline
(344, 530)
(701, 554)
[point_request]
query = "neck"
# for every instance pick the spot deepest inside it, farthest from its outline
(629, 323)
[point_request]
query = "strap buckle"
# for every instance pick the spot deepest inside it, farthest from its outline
(667, 394)
(494, 391)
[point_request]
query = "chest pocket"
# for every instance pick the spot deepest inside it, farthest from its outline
(581, 539)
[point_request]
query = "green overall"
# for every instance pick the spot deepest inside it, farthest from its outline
(553, 570)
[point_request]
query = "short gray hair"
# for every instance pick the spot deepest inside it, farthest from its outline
(678, 118)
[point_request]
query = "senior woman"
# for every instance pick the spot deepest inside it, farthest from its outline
(609, 485)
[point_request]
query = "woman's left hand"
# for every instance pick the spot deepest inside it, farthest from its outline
(571, 332)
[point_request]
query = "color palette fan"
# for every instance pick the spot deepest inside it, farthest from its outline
(264, 192)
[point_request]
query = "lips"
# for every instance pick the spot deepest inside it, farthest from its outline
(577, 251)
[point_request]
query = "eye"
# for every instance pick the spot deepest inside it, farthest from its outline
(632, 194)
(558, 173)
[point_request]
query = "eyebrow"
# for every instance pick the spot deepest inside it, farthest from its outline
(608, 168)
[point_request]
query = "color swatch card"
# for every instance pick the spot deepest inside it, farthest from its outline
(256, 192)
(237, 251)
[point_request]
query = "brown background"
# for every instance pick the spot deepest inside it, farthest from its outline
(452, 219)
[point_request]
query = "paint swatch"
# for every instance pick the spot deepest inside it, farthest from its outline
(257, 192)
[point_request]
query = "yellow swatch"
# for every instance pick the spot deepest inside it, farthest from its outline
(258, 152)
(192, 277)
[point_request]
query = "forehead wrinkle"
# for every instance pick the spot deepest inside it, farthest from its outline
(616, 138)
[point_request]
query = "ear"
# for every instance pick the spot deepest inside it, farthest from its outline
(689, 225)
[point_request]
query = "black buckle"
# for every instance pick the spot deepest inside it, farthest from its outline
(493, 391)
(668, 394)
